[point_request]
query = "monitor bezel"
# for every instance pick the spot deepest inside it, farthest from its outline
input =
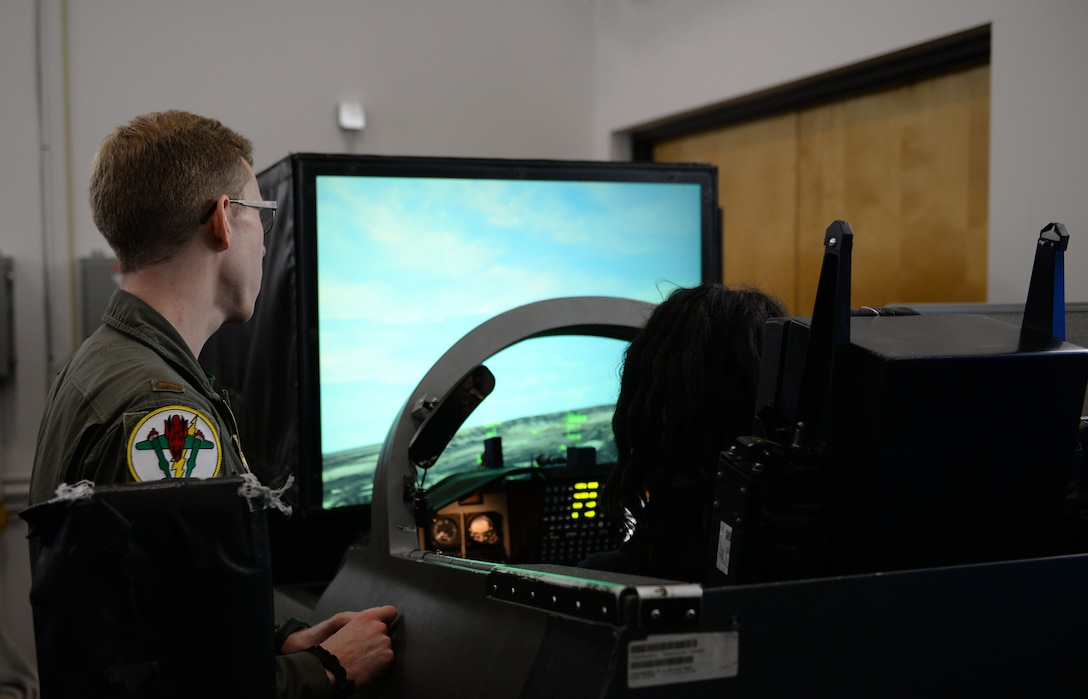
(309, 167)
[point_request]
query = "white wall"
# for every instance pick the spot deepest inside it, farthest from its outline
(660, 58)
(20, 239)
(500, 78)
(494, 78)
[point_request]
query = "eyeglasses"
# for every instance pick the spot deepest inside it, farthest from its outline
(266, 210)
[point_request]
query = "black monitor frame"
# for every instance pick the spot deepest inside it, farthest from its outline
(306, 168)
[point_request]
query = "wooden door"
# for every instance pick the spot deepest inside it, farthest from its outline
(907, 167)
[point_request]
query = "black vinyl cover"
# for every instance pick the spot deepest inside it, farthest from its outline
(153, 590)
(257, 362)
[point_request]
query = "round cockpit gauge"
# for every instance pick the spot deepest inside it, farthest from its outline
(445, 531)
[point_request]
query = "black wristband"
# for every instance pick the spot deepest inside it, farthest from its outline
(342, 687)
(286, 629)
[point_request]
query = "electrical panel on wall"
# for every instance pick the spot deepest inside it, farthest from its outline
(98, 278)
(7, 318)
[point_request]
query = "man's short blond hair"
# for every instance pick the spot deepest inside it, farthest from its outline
(154, 177)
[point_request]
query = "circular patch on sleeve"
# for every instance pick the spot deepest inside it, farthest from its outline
(174, 442)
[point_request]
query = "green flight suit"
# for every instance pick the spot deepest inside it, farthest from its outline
(134, 404)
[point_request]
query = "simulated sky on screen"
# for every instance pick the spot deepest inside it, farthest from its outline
(407, 266)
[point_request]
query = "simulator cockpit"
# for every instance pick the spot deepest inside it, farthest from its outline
(905, 518)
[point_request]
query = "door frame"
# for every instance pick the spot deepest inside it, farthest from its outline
(966, 49)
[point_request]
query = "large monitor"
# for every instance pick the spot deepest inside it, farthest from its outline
(379, 264)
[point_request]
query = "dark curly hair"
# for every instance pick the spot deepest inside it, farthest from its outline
(688, 390)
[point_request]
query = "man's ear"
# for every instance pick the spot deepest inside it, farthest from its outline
(218, 225)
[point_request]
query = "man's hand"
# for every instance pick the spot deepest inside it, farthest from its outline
(359, 640)
(316, 634)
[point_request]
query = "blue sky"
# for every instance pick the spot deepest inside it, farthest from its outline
(407, 266)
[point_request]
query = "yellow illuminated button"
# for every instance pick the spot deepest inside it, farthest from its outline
(577, 505)
(591, 513)
(574, 515)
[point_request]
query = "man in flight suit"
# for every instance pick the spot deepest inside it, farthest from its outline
(175, 196)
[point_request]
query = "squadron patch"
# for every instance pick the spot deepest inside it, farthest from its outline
(174, 442)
